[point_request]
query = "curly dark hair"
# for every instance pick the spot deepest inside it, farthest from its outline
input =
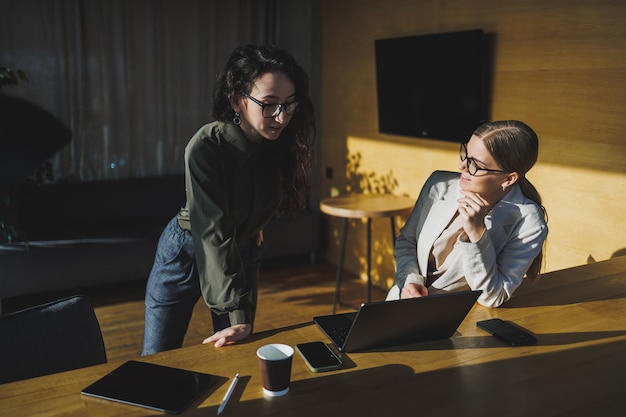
(294, 148)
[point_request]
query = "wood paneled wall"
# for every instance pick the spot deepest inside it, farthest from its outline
(559, 66)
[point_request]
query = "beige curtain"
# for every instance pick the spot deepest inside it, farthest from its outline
(131, 79)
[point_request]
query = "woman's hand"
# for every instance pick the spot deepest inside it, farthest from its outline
(473, 209)
(229, 335)
(412, 290)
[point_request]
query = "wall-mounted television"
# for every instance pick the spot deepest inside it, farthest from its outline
(433, 85)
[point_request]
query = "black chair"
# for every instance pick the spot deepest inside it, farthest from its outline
(53, 337)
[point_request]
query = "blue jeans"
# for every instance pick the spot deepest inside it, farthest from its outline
(173, 289)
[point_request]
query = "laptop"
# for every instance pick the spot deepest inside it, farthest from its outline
(393, 323)
(152, 386)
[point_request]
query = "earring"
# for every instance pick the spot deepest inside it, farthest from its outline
(237, 119)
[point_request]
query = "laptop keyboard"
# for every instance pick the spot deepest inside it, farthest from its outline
(341, 327)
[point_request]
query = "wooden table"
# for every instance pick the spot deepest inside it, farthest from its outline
(363, 206)
(578, 368)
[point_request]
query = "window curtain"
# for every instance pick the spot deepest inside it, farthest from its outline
(131, 79)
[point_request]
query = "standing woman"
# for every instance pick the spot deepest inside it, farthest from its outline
(248, 166)
(483, 229)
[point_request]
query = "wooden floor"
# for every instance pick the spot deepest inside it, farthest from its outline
(289, 293)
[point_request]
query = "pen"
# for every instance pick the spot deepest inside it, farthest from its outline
(228, 394)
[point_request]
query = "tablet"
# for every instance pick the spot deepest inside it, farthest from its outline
(152, 386)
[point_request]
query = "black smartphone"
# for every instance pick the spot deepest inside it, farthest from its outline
(508, 332)
(318, 356)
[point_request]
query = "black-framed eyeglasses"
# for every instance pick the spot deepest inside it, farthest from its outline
(270, 110)
(472, 165)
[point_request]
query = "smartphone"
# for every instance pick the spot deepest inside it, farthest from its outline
(318, 356)
(508, 332)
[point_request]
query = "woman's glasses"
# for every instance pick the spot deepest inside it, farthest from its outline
(472, 165)
(273, 109)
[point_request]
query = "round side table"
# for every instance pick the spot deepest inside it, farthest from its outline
(359, 206)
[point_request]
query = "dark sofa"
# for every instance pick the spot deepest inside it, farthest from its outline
(102, 232)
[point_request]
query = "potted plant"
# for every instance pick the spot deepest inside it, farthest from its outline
(29, 136)
(8, 233)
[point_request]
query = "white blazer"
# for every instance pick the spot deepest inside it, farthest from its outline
(496, 264)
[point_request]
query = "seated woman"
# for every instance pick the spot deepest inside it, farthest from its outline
(483, 229)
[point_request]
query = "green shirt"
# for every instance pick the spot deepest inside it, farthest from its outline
(233, 190)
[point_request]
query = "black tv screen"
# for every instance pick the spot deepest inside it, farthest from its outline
(432, 86)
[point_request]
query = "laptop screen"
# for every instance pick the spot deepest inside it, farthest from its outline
(399, 322)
